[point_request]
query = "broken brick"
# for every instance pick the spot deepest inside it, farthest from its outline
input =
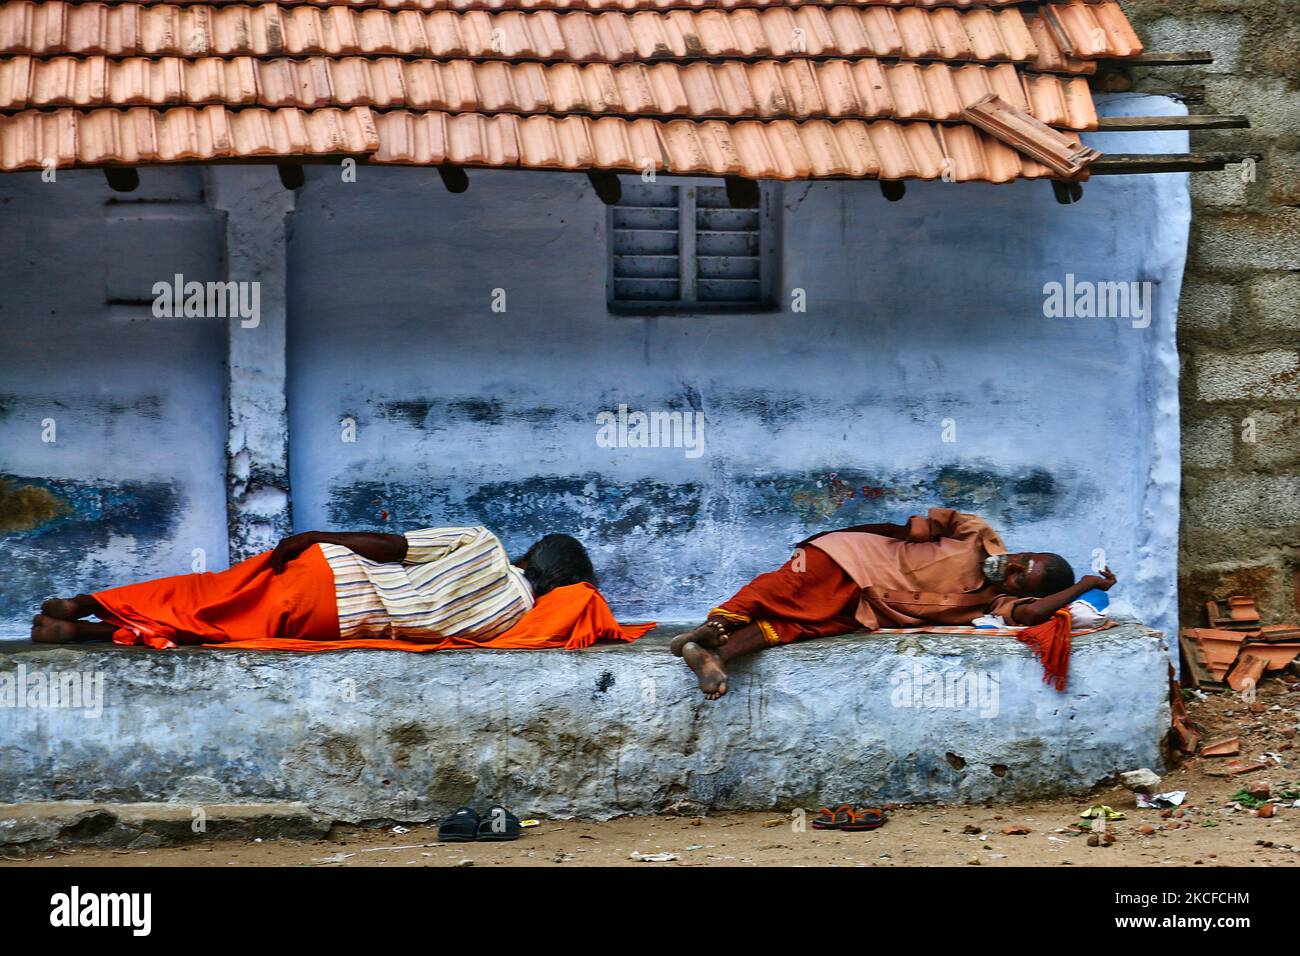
(1247, 671)
(1063, 154)
(1222, 747)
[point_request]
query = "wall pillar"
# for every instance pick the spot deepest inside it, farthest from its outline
(258, 501)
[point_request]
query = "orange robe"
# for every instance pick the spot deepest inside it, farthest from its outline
(814, 594)
(245, 601)
(808, 596)
(934, 577)
(569, 618)
(249, 608)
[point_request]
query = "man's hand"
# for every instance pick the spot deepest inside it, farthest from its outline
(1102, 582)
(290, 548)
(1037, 612)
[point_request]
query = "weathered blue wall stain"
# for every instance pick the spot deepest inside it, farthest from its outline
(50, 549)
(784, 508)
(585, 504)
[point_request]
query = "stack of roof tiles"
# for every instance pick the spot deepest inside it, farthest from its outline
(766, 89)
(1235, 646)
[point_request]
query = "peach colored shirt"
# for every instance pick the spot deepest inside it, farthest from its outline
(934, 577)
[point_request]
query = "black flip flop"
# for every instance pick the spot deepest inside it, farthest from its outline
(498, 824)
(461, 827)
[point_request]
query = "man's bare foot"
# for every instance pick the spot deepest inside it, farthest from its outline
(706, 635)
(52, 630)
(708, 668)
(65, 609)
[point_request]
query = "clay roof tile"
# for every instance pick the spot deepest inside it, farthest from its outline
(770, 88)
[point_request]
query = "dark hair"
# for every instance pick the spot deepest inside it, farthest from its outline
(555, 561)
(1057, 574)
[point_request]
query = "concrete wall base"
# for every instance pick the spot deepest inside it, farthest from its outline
(27, 828)
(364, 735)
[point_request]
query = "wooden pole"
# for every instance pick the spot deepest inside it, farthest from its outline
(1206, 121)
(1197, 58)
(1129, 163)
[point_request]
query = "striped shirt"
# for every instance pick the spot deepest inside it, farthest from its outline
(454, 582)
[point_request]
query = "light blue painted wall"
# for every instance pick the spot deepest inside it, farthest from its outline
(918, 311)
(136, 474)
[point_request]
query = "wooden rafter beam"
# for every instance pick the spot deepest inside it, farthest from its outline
(1195, 58)
(1121, 164)
(1205, 121)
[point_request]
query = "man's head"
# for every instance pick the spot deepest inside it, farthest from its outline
(1031, 573)
(555, 561)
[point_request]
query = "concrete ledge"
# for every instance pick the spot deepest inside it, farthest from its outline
(622, 729)
(33, 827)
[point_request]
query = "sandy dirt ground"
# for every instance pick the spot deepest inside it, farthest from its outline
(1216, 826)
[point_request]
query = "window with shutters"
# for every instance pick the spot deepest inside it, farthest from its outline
(679, 246)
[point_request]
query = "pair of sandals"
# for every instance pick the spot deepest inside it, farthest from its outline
(845, 817)
(466, 826)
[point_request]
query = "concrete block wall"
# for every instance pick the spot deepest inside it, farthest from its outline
(1239, 321)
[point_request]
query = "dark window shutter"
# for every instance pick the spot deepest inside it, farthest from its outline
(682, 246)
(647, 244)
(727, 249)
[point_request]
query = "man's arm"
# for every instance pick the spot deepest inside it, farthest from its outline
(1042, 609)
(387, 548)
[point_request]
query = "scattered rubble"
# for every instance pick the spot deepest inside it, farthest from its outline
(1161, 801)
(1140, 781)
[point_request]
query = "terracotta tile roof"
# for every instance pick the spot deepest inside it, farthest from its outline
(1030, 135)
(132, 136)
(265, 29)
(757, 150)
(767, 88)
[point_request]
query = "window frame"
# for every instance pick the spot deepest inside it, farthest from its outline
(769, 253)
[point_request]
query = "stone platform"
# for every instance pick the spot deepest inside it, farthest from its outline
(27, 828)
(367, 735)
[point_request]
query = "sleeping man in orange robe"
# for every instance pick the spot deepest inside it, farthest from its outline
(946, 568)
(433, 588)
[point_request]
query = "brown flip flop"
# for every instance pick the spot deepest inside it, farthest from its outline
(868, 818)
(837, 819)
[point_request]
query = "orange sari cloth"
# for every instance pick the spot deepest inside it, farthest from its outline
(1051, 643)
(570, 618)
(808, 596)
(244, 602)
(249, 608)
